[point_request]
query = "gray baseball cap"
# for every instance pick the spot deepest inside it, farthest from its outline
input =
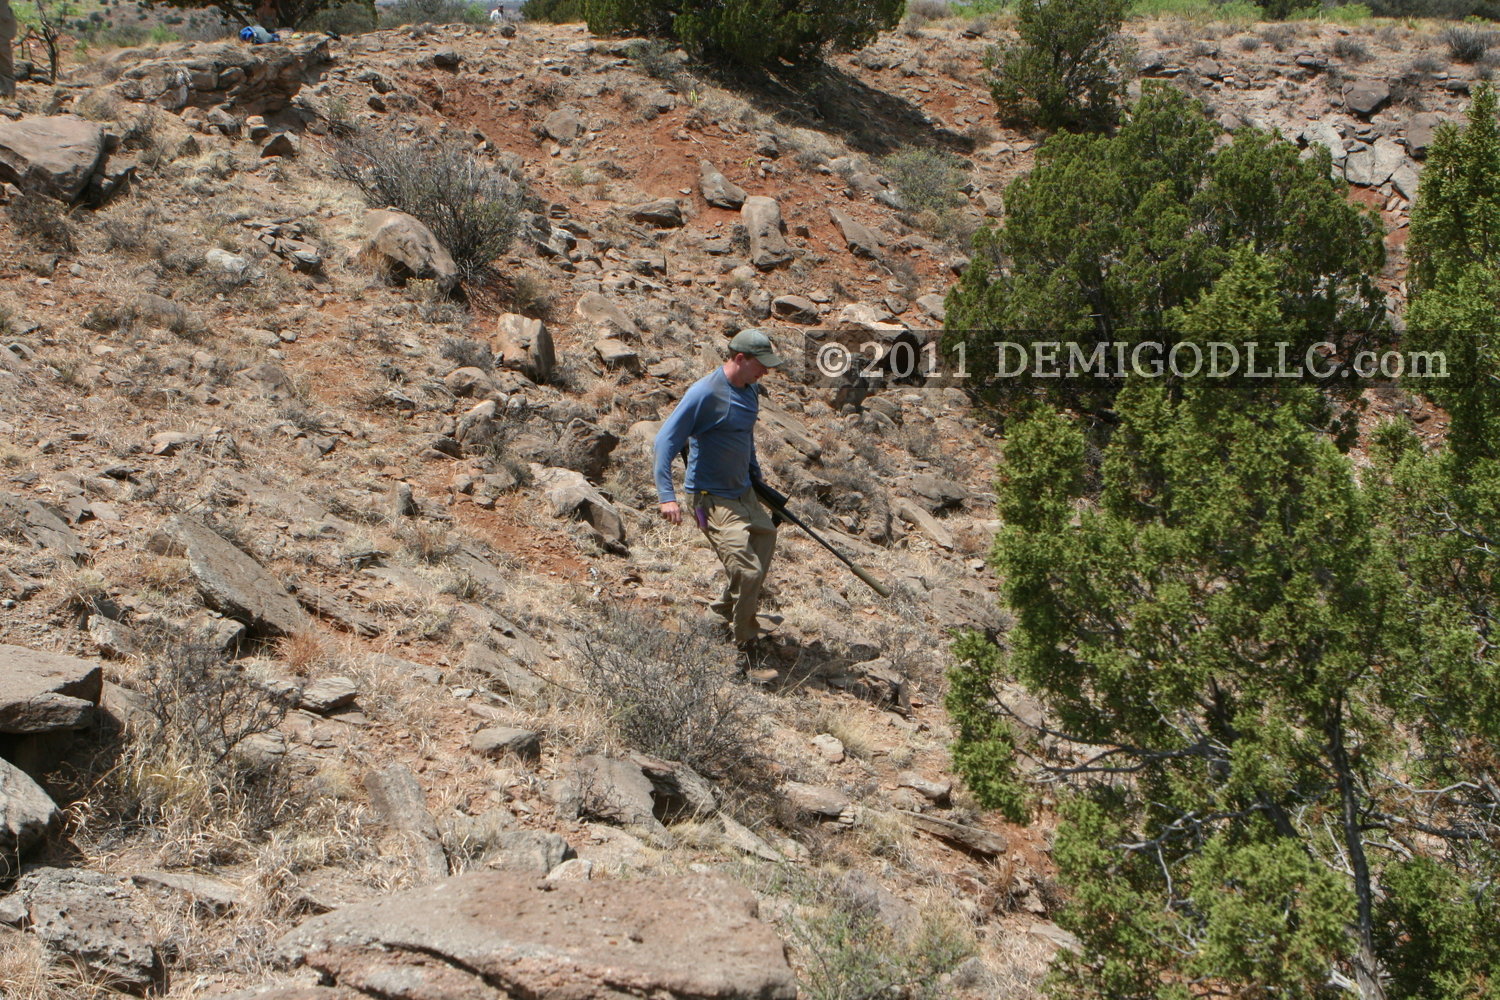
(757, 344)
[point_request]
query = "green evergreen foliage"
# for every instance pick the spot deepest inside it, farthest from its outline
(1058, 75)
(1109, 238)
(290, 13)
(1270, 691)
(751, 33)
(554, 11)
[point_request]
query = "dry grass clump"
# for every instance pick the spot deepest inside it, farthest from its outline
(190, 772)
(28, 972)
(671, 693)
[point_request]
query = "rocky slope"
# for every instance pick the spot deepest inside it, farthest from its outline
(399, 548)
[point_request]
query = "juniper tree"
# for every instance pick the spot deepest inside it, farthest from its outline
(1257, 715)
(1108, 235)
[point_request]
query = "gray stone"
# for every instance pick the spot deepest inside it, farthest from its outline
(292, 993)
(595, 308)
(1325, 135)
(87, 916)
(608, 788)
(860, 238)
(233, 583)
(938, 493)
(1407, 178)
(250, 79)
(55, 156)
(677, 789)
(326, 694)
(498, 741)
(718, 190)
(524, 345)
(210, 896)
(663, 213)
(397, 798)
(570, 495)
(1374, 166)
(503, 672)
(1420, 129)
(41, 692)
(27, 815)
(936, 792)
(828, 803)
(528, 852)
(280, 144)
(914, 515)
(795, 309)
(407, 248)
(563, 125)
(874, 900)
(572, 870)
(40, 527)
(1366, 97)
(469, 382)
(763, 222)
(494, 934)
(618, 355)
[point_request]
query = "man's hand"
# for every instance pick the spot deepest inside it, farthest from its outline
(672, 512)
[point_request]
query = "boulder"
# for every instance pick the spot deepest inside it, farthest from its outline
(1420, 129)
(596, 308)
(27, 815)
(504, 672)
(87, 917)
(1406, 179)
(763, 223)
(328, 694)
(42, 692)
(971, 838)
(40, 527)
(407, 248)
(528, 852)
(563, 125)
(570, 495)
(1325, 135)
(523, 344)
(663, 213)
(612, 789)
(1374, 166)
(860, 238)
(55, 156)
(469, 382)
(495, 934)
(937, 493)
(498, 741)
(1366, 97)
(718, 190)
(616, 354)
(280, 144)
(397, 798)
(917, 517)
(828, 803)
(795, 309)
(230, 581)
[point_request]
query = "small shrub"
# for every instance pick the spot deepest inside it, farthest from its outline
(42, 221)
(467, 353)
(474, 209)
(654, 58)
(433, 12)
(185, 770)
(922, 11)
(669, 693)
(346, 19)
(1279, 36)
(1468, 43)
(926, 179)
(1351, 50)
(1248, 43)
(1058, 76)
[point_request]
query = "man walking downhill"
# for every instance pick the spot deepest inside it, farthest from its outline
(716, 419)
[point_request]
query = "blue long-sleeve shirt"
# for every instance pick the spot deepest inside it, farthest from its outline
(717, 422)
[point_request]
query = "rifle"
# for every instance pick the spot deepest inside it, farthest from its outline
(777, 502)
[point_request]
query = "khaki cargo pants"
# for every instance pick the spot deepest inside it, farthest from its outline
(7, 59)
(744, 539)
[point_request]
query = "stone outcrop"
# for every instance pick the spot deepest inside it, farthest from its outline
(255, 80)
(406, 248)
(398, 800)
(571, 495)
(42, 692)
(524, 345)
(493, 935)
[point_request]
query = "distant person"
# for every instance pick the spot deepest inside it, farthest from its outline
(7, 58)
(716, 420)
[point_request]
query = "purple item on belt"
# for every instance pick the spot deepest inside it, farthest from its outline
(701, 513)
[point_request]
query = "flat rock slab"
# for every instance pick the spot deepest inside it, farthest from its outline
(87, 916)
(26, 815)
(970, 838)
(41, 692)
(293, 993)
(40, 527)
(492, 935)
(233, 583)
